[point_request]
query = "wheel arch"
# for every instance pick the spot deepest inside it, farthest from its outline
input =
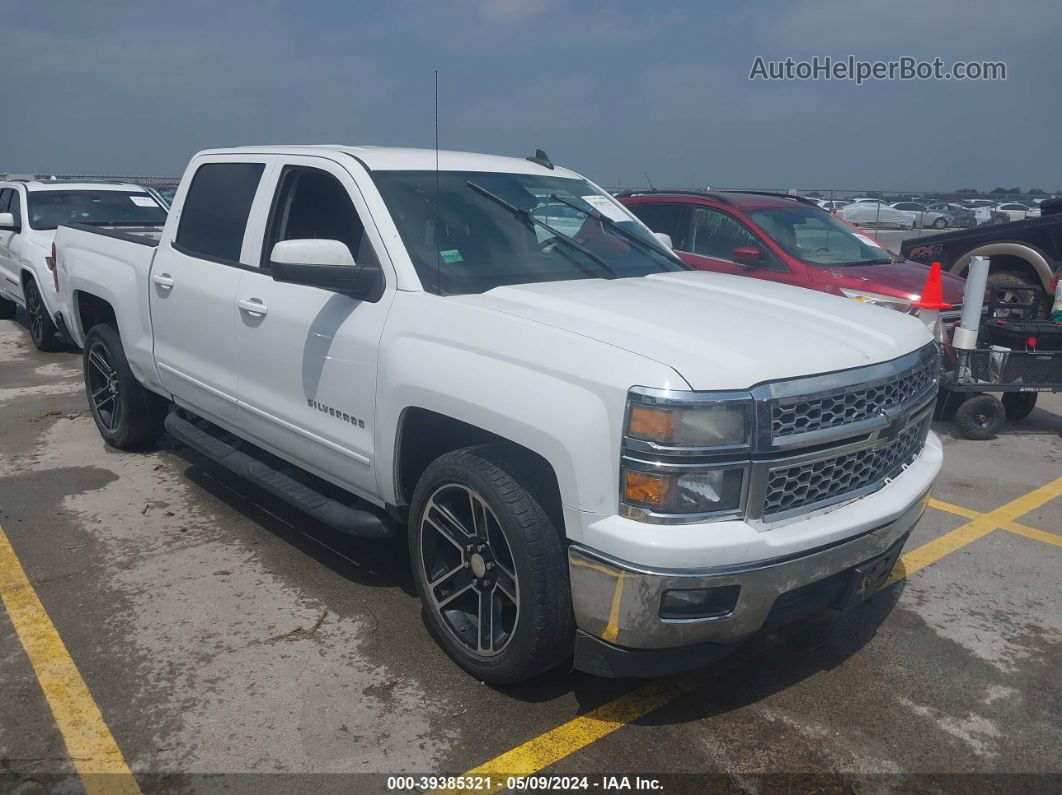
(1008, 255)
(423, 435)
(90, 309)
(26, 274)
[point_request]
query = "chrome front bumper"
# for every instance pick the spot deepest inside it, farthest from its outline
(620, 603)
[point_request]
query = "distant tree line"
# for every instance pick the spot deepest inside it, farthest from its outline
(1015, 191)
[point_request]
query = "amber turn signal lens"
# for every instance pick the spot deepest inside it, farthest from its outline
(645, 488)
(649, 422)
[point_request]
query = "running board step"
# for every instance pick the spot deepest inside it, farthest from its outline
(271, 474)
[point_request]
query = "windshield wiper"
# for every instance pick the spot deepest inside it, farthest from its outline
(597, 215)
(529, 219)
(878, 261)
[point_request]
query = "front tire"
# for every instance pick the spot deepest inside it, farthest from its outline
(126, 415)
(980, 416)
(940, 223)
(42, 330)
(490, 566)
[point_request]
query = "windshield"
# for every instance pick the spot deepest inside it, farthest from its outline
(818, 238)
(470, 243)
(49, 208)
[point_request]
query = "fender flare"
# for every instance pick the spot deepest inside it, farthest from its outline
(1022, 250)
(26, 272)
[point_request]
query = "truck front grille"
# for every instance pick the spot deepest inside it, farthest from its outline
(826, 480)
(803, 414)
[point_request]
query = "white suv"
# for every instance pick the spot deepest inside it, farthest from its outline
(29, 215)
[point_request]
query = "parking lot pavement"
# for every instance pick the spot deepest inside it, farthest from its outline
(217, 631)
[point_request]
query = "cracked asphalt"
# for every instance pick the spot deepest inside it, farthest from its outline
(222, 633)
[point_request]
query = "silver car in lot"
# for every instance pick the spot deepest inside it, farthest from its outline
(957, 216)
(923, 216)
(876, 213)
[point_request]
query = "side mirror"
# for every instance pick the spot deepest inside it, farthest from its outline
(747, 256)
(7, 222)
(665, 239)
(327, 264)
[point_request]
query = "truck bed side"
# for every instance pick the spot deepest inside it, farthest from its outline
(106, 270)
(1043, 235)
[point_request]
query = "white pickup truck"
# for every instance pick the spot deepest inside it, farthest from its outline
(593, 449)
(30, 211)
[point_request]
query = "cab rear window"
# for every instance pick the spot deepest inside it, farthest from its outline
(214, 216)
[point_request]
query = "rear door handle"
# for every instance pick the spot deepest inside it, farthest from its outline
(163, 280)
(252, 306)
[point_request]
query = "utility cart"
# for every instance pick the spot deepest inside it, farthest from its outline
(1017, 357)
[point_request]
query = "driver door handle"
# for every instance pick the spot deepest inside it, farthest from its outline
(252, 306)
(163, 280)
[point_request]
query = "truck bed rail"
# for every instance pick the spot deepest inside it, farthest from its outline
(143, 239)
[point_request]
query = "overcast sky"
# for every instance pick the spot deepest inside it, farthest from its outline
(610, 88)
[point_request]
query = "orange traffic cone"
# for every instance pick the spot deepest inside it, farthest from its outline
(933, 292)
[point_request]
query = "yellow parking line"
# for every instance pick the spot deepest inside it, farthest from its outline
(556, 744)
(931, 552)
(1032, 532)
(958, 510)
(981, 524)
(1014, 527)
(95, 754)
(1027, 502)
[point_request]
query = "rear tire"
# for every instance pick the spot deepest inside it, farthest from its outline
(980, 416)
(940, 223)
(1019, 279)
(1018, 405)
(475, 520)
(7, 309)
(126, 415)
(42, 330)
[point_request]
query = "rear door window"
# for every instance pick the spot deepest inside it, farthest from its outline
(215, 211)
(669, 219)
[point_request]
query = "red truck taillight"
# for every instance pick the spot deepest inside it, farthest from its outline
(51, 266)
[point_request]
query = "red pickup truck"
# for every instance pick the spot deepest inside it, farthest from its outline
(783, 238)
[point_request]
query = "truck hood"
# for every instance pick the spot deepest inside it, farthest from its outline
(902, 279)
(717, 331)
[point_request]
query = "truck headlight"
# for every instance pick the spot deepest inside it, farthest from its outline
(695, 491)
(697, 425)
(876, 299)
(685, 454)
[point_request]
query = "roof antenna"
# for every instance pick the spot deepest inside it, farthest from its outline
(437, 232)
(651, 185)
(541, 158)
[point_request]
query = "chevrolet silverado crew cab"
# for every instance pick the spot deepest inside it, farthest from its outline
(593, 449)
(29, 213)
